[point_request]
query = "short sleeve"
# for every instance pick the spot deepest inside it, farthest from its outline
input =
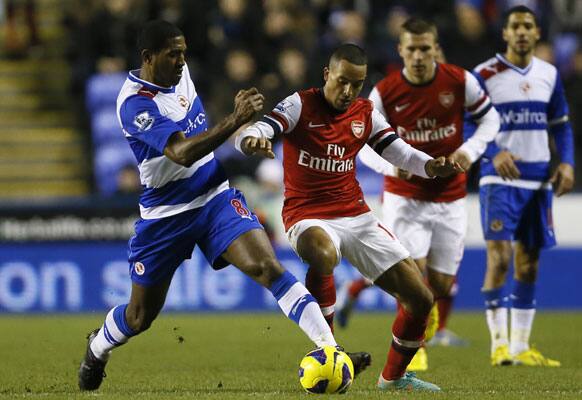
(285, 115)
(141, 119)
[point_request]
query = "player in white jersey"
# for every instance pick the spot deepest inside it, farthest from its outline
(187, 202)
(516, 183)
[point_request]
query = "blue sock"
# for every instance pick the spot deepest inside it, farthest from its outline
(494, 298)
(523, 295)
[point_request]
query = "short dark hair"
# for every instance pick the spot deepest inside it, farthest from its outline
(155, 34)
(518, 9)
(351, 53)
(419, 26)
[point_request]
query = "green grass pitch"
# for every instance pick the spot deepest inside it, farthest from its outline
(244, 356)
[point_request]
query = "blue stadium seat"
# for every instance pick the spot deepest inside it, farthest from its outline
(102, 90)
(111, 152)
(105, 126)
(109, 159)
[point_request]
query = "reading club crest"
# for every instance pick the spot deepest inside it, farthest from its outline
(524, 87)
(139, 268)
(446, 99)
(183, 101)
(358, 128)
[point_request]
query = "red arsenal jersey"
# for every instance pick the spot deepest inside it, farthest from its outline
(319, 149)
(430, 118)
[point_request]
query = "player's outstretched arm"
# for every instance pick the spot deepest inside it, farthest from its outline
(186, 151)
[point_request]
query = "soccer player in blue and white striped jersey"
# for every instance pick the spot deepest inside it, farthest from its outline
(516, 182)
(187, 202)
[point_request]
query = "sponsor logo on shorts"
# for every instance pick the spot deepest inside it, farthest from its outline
(496, 225)
(139, 268)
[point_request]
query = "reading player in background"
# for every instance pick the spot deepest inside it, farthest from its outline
(324, 211)
(516, 183)
(425, 103)
(187, 202)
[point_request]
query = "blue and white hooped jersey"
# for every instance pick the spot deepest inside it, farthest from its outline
(149, 115)
(529, 100)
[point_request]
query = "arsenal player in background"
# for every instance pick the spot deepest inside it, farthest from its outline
(425, 103)
(324, 211)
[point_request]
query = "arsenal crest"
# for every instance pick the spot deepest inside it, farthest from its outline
(446, 99)
(358, 128)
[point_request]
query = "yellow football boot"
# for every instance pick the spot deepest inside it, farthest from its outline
(432, 324)
(533, 358)
(419, 362)
(501, 356)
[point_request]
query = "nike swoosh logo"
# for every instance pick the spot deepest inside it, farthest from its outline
(301, 300)
(401, 107)
(312, 125)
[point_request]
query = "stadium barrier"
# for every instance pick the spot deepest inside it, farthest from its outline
(77, 263)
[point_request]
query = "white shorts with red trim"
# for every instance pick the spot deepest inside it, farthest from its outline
(363, 240)
(435, 230)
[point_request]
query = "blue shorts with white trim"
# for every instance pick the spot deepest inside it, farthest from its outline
(513, 213)
(159, 246)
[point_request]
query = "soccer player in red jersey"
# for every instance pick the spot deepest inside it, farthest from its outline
(425, 102)
(324, 211)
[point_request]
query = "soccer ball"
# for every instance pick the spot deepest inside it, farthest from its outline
(326, 370)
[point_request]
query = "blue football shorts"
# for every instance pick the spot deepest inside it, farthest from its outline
(511, 213)
(159, 246)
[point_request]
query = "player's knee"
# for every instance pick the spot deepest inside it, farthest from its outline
(322, 259)
(498, 259)
(265, 271)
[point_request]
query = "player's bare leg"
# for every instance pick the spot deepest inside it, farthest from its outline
(498, 258)
(253, 254)
(316, 248)
(404, 281)
(121, 323)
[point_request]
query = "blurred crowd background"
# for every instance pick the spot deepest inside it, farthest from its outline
(76, 53)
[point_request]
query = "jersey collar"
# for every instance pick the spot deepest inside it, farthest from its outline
(522, 71)
(134, 77)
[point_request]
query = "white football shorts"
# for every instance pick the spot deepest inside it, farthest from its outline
(363, 240)
(429, 229)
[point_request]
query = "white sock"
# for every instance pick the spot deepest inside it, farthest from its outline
(300, 306)
(521, 324)
(497, 322)
(112, 334)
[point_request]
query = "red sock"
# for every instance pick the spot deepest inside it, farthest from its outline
(444, 304)
(356, 287)
(408, 331)
(322, 287)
